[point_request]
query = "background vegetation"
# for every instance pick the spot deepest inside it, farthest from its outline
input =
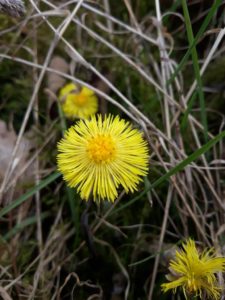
(159, 64)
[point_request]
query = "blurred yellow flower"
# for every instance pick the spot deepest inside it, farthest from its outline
(78, 102)
(100, 154)
(195, 272)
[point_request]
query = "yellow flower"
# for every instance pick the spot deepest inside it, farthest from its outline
(195, 272)
(100, 154)
(78, 102)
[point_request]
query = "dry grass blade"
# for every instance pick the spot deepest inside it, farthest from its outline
(4, 294)
(127, 56)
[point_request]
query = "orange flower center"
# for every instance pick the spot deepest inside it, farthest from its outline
(80, 99)
(101, 149)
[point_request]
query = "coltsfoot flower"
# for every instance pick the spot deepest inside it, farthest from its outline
(195, 272)
(78, 102)
(100, 154)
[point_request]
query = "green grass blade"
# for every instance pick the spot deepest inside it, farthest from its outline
(184, 119)
(143, 260)
(196, 68)
(27, 222)
(29, 193)
(175, 169)
(173, 8)
(62, 118)
(202, 29)
(74, 205)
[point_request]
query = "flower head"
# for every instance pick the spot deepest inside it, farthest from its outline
(195, 272)
(78, 102)
(100, 154)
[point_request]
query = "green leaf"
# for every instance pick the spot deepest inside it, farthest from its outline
(23, 224)
(196, 68)
(29, 193)
(202, 29)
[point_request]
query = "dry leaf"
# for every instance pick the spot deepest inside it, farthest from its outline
(56, 81)
(7, 143)
(102, 86)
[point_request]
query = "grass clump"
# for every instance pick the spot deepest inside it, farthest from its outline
(159, 67)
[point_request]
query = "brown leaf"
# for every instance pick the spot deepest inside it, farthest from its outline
(7, 143)
(56, 81)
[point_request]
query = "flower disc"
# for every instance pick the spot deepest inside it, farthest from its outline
(99, 155)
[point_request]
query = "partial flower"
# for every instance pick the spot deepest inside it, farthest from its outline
(98, 155)
(78, 102)
(195, 271)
